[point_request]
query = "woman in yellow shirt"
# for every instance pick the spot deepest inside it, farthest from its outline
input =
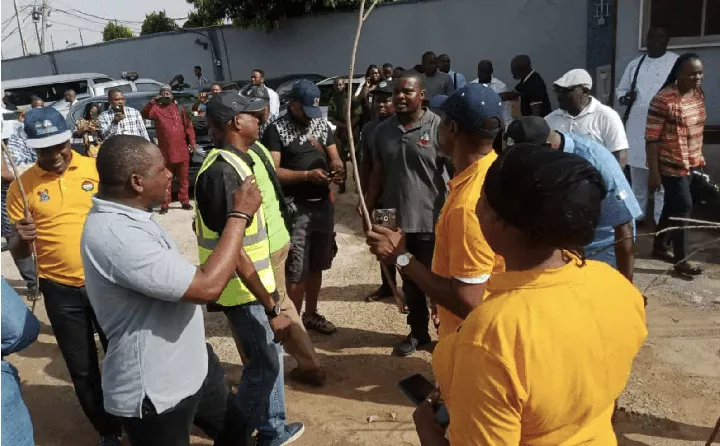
(543, 358)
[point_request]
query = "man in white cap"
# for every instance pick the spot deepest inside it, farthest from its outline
(581, 113)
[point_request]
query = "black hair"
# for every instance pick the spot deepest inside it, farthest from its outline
(411, 75)
(488, 63)
(387, 65)
(258, 70)
(553, 197)
(113, 91)
(120, 157)
(399, 69)
(675, 71)
(661, 26)
(428, 54)
(197, 67)
(33, 98)
(443, 55)
(370, 68)
(90, 107)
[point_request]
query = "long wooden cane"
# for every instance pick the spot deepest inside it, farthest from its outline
(362, 16)
(26, 211)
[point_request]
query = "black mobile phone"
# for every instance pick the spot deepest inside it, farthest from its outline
(416, 388)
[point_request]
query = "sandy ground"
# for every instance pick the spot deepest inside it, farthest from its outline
(672, 399)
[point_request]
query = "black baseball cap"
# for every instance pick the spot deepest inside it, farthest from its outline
(308, 94)
(384, 87)
(471, 105)
(258, 92)
(226, 105)
(528, 129)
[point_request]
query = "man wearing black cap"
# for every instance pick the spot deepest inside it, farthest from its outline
(613, 242)
(409, 175)
(463, 261)
(307, 161)
(382, 102)
(250, 300)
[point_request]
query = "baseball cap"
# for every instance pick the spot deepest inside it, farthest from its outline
(45, 127)
(384, 87)
(258, 92)
(528, 129)
(575, 78)
(471, 105)
(226, 105)
(308, 94)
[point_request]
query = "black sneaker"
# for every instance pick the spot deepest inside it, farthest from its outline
(409, 346)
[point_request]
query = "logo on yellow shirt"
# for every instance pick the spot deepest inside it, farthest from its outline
(88, 186)
(43, 195)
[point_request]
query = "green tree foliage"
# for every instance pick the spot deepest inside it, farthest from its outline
(269, 14)
(201, 17)
(157, 22)
(114, 31)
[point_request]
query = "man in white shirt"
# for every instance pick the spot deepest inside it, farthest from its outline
(257, 79)
(64, 106)
(651, 71)
(583, 114)
(485, 77)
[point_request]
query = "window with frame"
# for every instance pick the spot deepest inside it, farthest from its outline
(689, 22)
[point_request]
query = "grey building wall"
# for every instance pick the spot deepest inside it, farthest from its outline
(627, 50)
(599, 36)
(553, 33)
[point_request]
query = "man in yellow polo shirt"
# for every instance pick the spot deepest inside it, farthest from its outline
(59, 187)
(463, 261)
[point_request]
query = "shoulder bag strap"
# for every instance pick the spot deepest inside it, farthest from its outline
(633, 85)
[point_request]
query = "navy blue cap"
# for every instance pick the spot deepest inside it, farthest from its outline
(384, 87)
(308, 94)
(45, 127)
(471, 105)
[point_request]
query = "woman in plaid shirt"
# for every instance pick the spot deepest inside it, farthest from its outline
(674, 135)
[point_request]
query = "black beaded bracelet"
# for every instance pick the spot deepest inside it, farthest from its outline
(243, 215)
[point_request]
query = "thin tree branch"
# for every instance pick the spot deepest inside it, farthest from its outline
(362, 16)
(26, 211)
(699, 249)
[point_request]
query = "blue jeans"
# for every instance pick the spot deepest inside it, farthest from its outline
(261, 393)
(17, 429)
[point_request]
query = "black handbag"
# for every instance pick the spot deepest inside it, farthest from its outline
(626, 116)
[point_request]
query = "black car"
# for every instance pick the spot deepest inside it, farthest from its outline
(138, 100)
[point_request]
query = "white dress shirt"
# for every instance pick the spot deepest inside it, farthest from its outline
(498, 87)
(652, 74)
(274, 101)
(597, 121)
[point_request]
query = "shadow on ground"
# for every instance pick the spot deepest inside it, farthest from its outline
(629, 423)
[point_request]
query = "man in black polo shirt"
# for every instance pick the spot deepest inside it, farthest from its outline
(410, 176)
(303, 148)
(532, 91)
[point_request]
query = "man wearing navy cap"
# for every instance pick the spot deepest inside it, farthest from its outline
(462, 261)
(303, 148)
(59, 190)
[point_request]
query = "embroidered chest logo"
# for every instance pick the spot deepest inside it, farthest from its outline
(88, 186)
(43, 195)
(424, 139)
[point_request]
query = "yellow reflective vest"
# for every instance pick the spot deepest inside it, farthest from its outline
(255, 243)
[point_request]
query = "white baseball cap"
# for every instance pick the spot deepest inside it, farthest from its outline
(575, 78)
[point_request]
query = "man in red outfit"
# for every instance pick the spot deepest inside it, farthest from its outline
(176, 138)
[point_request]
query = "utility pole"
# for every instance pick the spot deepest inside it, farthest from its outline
(36, 15)
(44, 23)
(81, 39)
(22, 38)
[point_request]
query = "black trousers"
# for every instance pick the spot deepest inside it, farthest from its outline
(420, 245)
(386, 289)
(74, 324)
(678, 203)
(212, 409)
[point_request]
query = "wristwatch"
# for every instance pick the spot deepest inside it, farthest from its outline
(403, 260)
(275, 312)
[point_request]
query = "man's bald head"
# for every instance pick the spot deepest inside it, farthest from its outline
(121, 157)
(520, 66)
(485, 71)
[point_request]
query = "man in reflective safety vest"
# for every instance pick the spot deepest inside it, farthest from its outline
(250, 299)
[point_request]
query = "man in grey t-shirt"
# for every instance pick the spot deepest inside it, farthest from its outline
(159, 376)
(435, 81)
(410, 175)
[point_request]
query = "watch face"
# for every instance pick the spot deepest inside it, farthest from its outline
(403, 260)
